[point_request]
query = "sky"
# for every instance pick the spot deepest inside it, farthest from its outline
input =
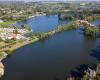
(49, 0)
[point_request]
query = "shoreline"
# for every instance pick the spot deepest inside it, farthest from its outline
(62, 28)
(19, 45)
(36, 16)
(23, 44)
(65, 27)
(9, 50)
(50, 33)
(5, 54)
(46, 35)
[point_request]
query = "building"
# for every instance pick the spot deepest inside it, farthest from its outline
(1, 21)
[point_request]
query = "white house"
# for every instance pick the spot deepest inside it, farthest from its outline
(1, 21)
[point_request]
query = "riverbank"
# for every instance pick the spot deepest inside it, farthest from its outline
(9, 50)
(88, 72)
(89, 28)
(36, 15)
(18, 44)
(36, 37)
(2, 56)
(58, 50)
(91, 73)
(43, 35)
(61, 28)
(92, 18)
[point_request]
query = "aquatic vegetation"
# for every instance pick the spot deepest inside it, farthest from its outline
(91, 31)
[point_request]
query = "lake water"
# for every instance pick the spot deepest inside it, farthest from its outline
(96, 22)
(52, 58)
(43, 23)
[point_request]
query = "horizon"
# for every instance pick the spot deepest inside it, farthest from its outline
(50, 0)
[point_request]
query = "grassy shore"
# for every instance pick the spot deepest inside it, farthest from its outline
(6, 24)
(21, 44)
(18, 45)
(92, 18)
(36, 37)
(39, 36)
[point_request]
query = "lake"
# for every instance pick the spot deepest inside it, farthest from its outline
(50, 59)
(43, 23)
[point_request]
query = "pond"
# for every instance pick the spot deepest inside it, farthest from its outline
(43, 23)
(52, 58)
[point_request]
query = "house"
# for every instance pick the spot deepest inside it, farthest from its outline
(18, 36)
(11, 36)
(1, 21)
